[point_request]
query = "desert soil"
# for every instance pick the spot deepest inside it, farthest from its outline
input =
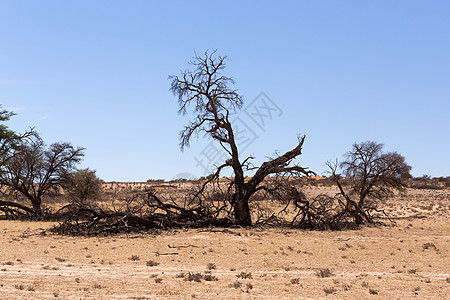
(406, 260)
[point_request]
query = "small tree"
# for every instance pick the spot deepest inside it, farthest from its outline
(35, 171)
(11, 144)
(374, 175)
(208, 92)
(82, 185)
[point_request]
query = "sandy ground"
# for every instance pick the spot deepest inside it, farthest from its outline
(409, 260)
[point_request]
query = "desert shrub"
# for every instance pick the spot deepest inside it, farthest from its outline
(428, 183)
(236, 284)
(322, 273)
(429, 246)
(152, 263)
(249, 286)
(210, 277)
(60, 259)
(373, 291)
(244, 275)
(158, 280)
(329, 290)
(197, 277)
(346, 287)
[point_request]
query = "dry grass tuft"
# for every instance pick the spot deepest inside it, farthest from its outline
(329, 290)
(152, 263)
(244, 275)
(236, 284)
(373, 291)
(323, 273)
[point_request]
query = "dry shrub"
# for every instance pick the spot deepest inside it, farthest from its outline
(322, 273)
(152, 263)
(329, 290)
(244, 275)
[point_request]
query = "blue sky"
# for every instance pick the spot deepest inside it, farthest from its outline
(95, 73)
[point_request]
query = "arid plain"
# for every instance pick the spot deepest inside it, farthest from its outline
(405, 260)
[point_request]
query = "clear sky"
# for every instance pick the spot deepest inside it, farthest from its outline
(95, 73)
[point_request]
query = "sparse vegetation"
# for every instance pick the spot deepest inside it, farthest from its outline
(60, 259)
(272, 197)
(429, 246)
(251, 221)
(197, 277)
(329, 290)
(210, 277)
(244, 275)
(158, 280)
(323, 273)
(346, 287)
(249, 286)
(152, 263)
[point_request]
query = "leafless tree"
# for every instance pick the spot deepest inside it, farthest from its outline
(208, 93)
(374, 175)
(35, 171)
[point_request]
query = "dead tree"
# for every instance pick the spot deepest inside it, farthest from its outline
(136, 210)
(207, 91)
(374, 175)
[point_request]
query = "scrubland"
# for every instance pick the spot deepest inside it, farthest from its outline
(404, 259)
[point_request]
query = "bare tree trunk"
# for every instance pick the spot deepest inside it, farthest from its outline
(37, 210)
(241, 210)
(245, 190)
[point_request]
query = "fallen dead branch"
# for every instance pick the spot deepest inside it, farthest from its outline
(139, 211)
(169, 253)
(182, 246)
